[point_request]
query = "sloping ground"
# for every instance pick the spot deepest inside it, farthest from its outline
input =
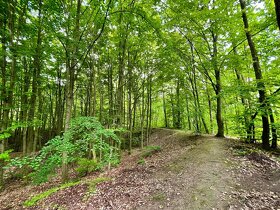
(191, 172)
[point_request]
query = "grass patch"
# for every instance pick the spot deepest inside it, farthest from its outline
(150, 150)
(92, 186)
(244, 151)
(174, 168)
(141, 161)
(91, 190)
(35, 199)
(158, 197)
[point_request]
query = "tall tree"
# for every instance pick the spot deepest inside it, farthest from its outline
(259, 77)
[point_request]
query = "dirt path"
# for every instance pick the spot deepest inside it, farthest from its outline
(198, 178)
(190, 172)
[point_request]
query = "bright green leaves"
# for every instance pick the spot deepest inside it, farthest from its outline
(5, 156)
(84, 133)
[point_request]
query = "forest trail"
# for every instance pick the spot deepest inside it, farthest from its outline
(190, 172)
(198, 178)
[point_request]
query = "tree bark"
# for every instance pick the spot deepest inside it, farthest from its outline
(277, 11)
(164, 110)
(218, 88)
(273, 130)
(258, 75)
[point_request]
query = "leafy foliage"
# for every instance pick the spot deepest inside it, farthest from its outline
(86, 166)
(5, 156)
(75, 142)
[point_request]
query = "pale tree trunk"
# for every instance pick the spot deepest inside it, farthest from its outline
(70, 83)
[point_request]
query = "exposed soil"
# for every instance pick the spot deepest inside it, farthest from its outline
(191, 172)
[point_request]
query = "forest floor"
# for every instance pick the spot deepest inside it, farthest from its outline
(190, 172)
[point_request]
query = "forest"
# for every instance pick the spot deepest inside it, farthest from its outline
(84, 80)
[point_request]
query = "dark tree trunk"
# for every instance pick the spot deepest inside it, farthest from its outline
(277, 10)
(258, 75)
(188, 112)
(273, 131)
(178, 105)
(218, 88)
(164, 110)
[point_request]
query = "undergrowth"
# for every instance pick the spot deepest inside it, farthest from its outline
(91, 190)
(35, 199)
(150, 150)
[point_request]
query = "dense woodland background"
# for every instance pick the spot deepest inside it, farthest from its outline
(210, 66)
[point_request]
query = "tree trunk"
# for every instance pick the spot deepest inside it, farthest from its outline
(178, 105)
(218, 88)
(129, 120)
(277, 10)
(273, 130)
(70, 82)
(164, 110)
(258, 75)
(142, 115)
(188, 112)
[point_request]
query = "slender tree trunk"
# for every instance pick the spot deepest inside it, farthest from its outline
(210, 110)
(121, 65)
(273, 130)
(129, 120)
(178, 105)
(188, 112)
(5, 113)
(218, 88)
(70, 82)
(110, 93)
(147, 111)
(142, 115)
(173, 109)
(164, 110)
(150, 111)
(258, 75)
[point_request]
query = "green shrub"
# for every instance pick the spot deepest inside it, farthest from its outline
(5, 156)
(86, 166)
(76, 141)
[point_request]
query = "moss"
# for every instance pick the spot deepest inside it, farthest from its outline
(92, 184)
(158, 197)
(150, 150)
(35, 199)
(141, 161)
(244, 151)
(92, 188)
